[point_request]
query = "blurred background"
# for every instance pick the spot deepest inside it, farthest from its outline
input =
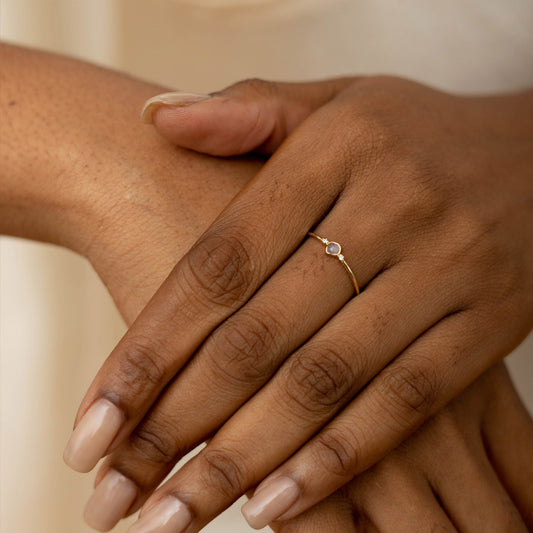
(57, 323)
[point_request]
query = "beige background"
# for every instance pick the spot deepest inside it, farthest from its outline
(57, 324)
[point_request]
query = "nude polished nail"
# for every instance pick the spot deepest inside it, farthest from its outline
(93, 435)
(176, 99)
(170, 515)
(270, 502)
(110, 501)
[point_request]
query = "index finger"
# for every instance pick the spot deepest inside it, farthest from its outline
(246, 244)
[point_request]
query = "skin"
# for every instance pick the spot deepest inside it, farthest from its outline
(108, 177)
(457, 448)
(454, 264)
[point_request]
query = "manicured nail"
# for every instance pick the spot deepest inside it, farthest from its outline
(178, 99)
(93, 435)
(110, 501)
(170, 515)
(270, 502)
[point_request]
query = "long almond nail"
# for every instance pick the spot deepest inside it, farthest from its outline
(170, 515)
(110, 501)
(270, 502)
(93, 435)
(177, 99)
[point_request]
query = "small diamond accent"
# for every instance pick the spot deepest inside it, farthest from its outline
(341, 257)
(325, 241)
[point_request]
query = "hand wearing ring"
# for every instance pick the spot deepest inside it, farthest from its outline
(296, 371)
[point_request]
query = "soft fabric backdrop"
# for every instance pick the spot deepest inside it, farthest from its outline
(57, 322)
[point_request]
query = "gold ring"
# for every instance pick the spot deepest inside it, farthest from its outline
(334, 248)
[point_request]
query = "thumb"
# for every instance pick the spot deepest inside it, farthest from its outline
(252, 115)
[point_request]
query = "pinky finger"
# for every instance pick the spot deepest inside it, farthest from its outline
(399, 399)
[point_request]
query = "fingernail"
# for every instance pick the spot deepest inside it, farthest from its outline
(270, 502)
(93, 435)
(177, 99)
(110, 501)
(170, 515)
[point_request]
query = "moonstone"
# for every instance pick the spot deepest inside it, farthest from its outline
(333, 248)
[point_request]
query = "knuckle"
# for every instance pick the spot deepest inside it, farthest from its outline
(141, 365)
(380, 135)
(488, 259)
(244, 347)
(421, 200)
(363, 142)
(256, 86)
(441, 432)
(410, 391)
(477, 238)
(472, 231)
(393, 466)
(225, 472)
(418, 201)
(337, 451)
(220, 270)
(372, 131)
(152, 442)
(319, 379)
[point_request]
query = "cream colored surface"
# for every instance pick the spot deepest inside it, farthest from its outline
(57, 323)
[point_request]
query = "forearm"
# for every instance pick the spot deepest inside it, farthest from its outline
(79, 169)
(49, 107)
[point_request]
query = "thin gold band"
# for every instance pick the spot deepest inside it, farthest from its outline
(334, 249)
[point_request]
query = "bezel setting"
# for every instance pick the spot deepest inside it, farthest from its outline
(333, 248)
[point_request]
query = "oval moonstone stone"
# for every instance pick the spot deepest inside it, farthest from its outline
(333, 248)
